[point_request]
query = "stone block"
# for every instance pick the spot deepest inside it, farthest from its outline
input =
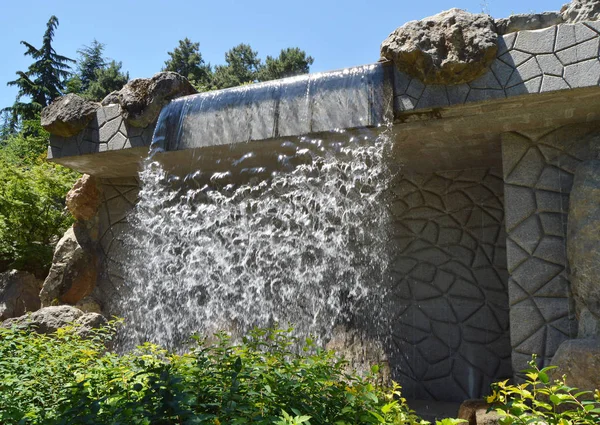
(536, 41)
(583, 74)
(579, 360)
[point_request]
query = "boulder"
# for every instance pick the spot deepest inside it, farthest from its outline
(579, 360)
(475, 412)
(84, 199)
(19, 294)
(50, 319)
(73, 272)
(111, 99)
(89, 305)
(68, 115)
(581, 10)
(142, 99)
(527, 22)
(583, 244)
(453, 47)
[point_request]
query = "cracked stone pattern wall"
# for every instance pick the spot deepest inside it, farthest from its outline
(107, 131)
(561, 57)
(119, 197)
(538, 175)
(450, 307)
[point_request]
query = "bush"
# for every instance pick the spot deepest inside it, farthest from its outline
(64, 379)
(32, 201)
(540, 401)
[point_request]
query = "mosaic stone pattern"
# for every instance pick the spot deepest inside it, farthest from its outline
(119, 197)
(538, 176)
(107, 131)
(450, 307)
(556, 58)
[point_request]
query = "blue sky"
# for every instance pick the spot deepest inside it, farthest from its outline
(337, 33)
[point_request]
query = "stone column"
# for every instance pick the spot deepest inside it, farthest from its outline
(538, 178)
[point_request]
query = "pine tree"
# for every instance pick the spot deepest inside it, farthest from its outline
(90, 61)
(186, 60)
(291, 61)
(44, 79)
(106, 79)
(243, 67)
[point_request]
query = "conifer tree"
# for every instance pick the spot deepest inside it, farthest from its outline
(44, 80)
(186, 60)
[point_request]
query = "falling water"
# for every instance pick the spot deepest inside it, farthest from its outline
(298, 240)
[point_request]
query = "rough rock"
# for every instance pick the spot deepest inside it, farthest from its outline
(89, 305)
(111, 99)
(583, 244)
(579, 360)
(142, 98)
(49, 319)
(19, 294)
(452, 47)
(581, 10)
(526, 22)
(68, 115)
(83, 199)
(74, 269)
(475, 412)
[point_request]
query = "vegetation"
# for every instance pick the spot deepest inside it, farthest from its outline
(96, 75)
(186, 60)
(64, 379)
(242, 66)
(541, 401)
(32, 201)
(44, 79)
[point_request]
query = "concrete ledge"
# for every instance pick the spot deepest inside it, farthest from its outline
(540, 78)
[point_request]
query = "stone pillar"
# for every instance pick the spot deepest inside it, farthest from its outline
(538, 178)
(119, 198)
(583, 247)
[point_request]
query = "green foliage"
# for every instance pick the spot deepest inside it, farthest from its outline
(540, 401)
(243, 66)
(107, 79)
(67, 380)
(186, 60)
(32, 201)
(90, 60)
(96, 75)
(44, 79)
(291, 61)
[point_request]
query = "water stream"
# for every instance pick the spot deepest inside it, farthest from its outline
(302, 247)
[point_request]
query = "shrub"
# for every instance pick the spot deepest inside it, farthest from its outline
(32, 201)
(64, 379)
(540, 401)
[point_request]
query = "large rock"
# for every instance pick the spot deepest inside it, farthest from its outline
(527, 22)
(19, 293)
(452, 47)
(143, 98)
(583, 242)
(68, 115)
(475, 412)
(581, 10)
(50, 319)
(579, 360)
(73, 272)
(83, 199)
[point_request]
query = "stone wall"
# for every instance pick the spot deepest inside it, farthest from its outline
(119, 197)
(538, 175)
(450, 307)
